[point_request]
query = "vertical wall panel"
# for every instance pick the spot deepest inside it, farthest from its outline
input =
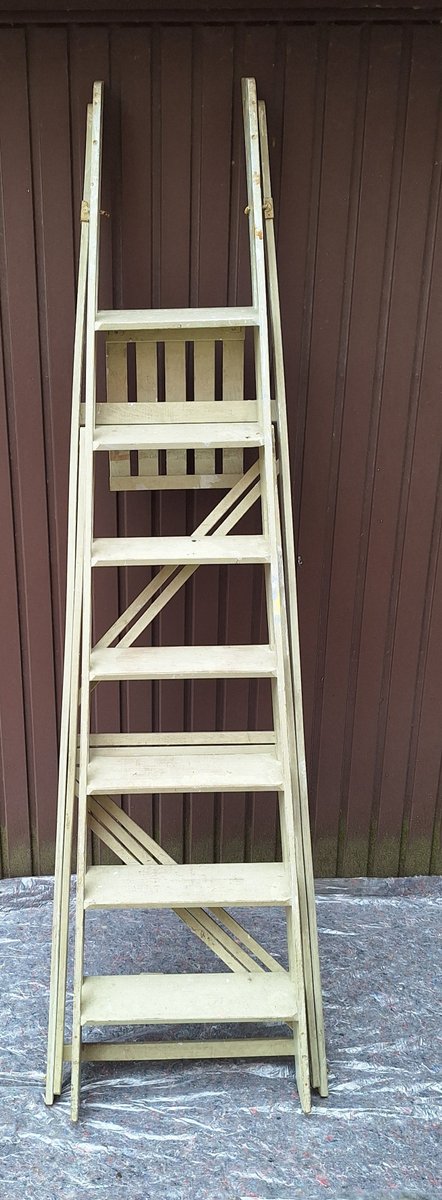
(354, 117)
(131, 229)
(16, 857)
(26, 443)
(404, 416)
(53, 221)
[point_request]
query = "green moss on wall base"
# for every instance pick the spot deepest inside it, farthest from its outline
(423, 856)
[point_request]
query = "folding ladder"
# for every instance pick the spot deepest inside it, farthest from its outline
(232, 441)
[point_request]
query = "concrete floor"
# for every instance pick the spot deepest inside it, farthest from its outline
(233, 1130)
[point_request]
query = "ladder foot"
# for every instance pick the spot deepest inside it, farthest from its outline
(75, 1091)
(303, 1086)
(302, 1069)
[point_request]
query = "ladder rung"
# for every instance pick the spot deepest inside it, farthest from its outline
(169, 436)
(186, 662)
(145, 999)
(190, 886)
(158, 551)
(266, 1047)
(175, 318)
(174, 412)
(166, 772)
(248, 739)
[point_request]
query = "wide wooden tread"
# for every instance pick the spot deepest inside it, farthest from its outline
(198, 885)
(175, 318)
(180, 436)
(193, 772)
(127, 552)
(183, 662)
(146, 999)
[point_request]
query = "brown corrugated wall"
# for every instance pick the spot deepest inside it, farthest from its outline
(354, 112)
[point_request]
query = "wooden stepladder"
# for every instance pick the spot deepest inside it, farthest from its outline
(148, 441)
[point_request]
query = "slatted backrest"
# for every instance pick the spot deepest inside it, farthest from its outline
(187, 377)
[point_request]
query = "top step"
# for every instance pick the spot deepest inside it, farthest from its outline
(175, 318)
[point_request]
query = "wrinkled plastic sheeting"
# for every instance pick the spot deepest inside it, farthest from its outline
(231, 1130)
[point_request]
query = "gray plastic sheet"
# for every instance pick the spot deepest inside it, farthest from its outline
(233, 1130)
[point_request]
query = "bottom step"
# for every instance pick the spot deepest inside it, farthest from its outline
(148, 999)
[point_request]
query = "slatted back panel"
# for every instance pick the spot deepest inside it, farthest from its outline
(182, 372)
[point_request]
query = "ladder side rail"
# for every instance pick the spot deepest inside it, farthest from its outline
(71, 650)
(305, 882)
(70, 785)
(88, 484)
(269, 500)
(289, 573)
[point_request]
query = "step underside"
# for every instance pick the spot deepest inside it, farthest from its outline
(148, 999)
(188, 886)
(190, 772)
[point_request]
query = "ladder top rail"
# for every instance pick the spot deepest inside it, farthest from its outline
(139, 319)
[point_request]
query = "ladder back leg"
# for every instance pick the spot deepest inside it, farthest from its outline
(65, 798)
(90, 389)
(287, 560)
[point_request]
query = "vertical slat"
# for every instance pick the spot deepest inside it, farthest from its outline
(204, 390)
(147, 393)
(233, 389)
(175, 384)
(117, 393)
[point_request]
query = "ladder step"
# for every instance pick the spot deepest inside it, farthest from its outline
(175, 318)
(145, 999)
(158, 551)
(183, 662)
(174, 412)
(168, 436)
(190, 886)
(165, 772)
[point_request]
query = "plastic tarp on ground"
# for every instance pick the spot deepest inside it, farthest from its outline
(233, 1130)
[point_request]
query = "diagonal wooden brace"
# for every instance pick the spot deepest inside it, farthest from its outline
(132, 844)
(239, 500)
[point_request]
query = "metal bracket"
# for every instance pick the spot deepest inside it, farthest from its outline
(85, 211)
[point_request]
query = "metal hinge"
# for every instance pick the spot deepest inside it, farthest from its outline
(85, 211)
